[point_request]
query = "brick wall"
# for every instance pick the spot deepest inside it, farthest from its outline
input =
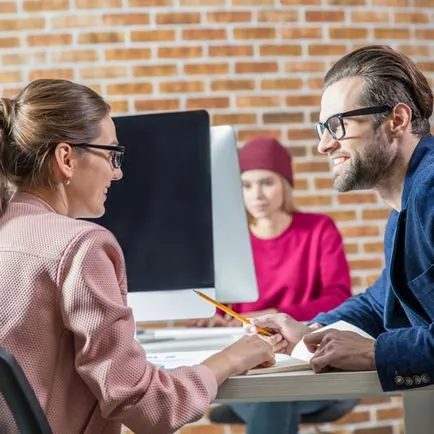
(256, 64)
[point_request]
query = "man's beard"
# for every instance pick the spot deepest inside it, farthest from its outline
(368, 167)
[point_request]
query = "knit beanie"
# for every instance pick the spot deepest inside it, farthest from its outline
(268, 154)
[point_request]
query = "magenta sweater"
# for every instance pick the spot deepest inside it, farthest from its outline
(301, 272)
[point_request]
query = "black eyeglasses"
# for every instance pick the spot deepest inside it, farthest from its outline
(116, 155)
(335, 124)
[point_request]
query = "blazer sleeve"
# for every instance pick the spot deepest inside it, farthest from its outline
(334, 275)
(108, 358)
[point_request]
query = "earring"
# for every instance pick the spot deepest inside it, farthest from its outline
(67, 181)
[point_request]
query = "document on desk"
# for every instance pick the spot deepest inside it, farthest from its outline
(297, 361)
(184, 333)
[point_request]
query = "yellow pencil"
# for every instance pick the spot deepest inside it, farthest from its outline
(229, 311)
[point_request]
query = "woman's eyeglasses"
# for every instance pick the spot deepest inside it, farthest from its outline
(116, 155)
(335, 124)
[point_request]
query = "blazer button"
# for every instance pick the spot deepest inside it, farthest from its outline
(399, 380)
(425, 378)
(417, 380)
(408, 381)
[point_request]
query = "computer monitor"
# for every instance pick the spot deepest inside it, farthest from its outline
(235, 278)
(179, 217)
(161, 214)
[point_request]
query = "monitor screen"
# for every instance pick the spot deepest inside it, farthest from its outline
(161, 210)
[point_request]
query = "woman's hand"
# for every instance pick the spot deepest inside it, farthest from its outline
(292, 331)
(246, 353)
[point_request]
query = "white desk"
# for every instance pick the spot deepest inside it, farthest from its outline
(306, 385)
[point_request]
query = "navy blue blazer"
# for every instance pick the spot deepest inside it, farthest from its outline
(398, 309)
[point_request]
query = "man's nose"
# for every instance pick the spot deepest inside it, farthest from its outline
(327, 143)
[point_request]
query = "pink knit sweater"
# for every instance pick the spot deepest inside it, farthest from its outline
(63, 315)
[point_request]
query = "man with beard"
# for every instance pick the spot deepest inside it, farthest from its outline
(375, 128)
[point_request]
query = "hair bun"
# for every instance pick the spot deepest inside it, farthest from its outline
(6, 113)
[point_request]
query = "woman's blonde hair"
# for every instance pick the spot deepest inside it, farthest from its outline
(45, 113)
(287, 203)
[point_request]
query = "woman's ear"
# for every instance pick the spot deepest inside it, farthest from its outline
(400, 119)
(63, 162)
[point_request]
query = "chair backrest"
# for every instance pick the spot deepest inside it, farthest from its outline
(20, 397)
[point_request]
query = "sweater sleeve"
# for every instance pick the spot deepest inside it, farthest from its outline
(335, 281)
(108, 358)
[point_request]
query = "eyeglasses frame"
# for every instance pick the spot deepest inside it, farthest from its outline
(114, 148)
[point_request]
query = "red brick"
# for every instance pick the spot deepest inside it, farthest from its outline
(281, 84)
(231, 50)
(117, 54)
(355, 198)
(315, 84)
(255, 67)
(238, 118)
(101, 37)
(390, 3)
(49, 40)
(375, 214)
(347, 33)
(342, 216)
(125, 19)
(369, 17)
(74, 56)
(208, 103)
(280, 50)
(203, 34)
(156, 105)
(302, 32)
(43, 5)
(422, 3)
(153, 35)
(179, 52)
(373, 247)
(154, 70)
(327, 50)
(415, 50)
(300, 184)
(252, 2)
(247, 134)
(66, 74)
(324, 16)
(302, 134)
(323, 183)
(283, 118)
(346, 2)
(411, 17)
(360, 231)
(181, 86)
(10, 76)
(217, 85)
(72, 21)
(34, 58)
(275, 16)
(21, 24)
(229, 17)
(392, 33)
(300, 2)
(419, 34)
(9, 42)
(254, 33)
(118, 106)
(138, 3)
(98, 4)
(314, 200)
(350, 248)
(9, 7)
(206, 68)
(303, 100)
(311, 166)
(103, 72)
(304, 66)
(203, 2)
(178, 18)
(365, 264)
(129, 88)
(257, 101)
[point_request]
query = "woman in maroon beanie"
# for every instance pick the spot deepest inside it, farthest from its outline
(300, 265)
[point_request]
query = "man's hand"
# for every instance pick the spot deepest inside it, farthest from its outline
(343, 350)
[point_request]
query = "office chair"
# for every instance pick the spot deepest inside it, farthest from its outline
(338, 408)
(20, 398)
